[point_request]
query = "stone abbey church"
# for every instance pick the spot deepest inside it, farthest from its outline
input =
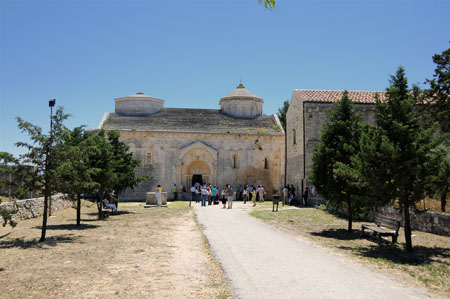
(236, 144)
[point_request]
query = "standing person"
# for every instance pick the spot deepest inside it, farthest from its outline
(254, 197)
(245, 194)
(209, 195)
(214, 192)
(158, 195)
(175, 192)
(229, 193)
(305, 196)
(250, 194)
(285, 195)
(193, 193)
(261, 193)
(257, 193)
(224, 198)
(204, 193)
(240, 192)
(184, 194)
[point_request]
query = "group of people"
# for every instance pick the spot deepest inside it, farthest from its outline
(212, 194)
(290, 198)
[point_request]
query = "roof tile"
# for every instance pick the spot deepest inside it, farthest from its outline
(332, 96)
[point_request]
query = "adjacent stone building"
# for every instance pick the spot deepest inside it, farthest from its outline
(308, 111)
(235, 144)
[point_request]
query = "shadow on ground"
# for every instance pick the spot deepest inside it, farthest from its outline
(112, 214)
(69, 227)
(34, 243)
(338, 234)
(397, 254)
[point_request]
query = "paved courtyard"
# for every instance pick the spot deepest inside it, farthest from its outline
(263, 262)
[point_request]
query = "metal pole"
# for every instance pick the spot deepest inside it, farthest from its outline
(51, 103)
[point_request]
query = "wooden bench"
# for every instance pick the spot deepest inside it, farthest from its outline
(384, 226)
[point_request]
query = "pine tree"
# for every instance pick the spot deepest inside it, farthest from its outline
(74, 175)
(41, 155)
(124, 165)
(333, 171)
(395, 152)
(282, 114)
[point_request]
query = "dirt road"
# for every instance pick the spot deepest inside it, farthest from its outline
(263, 262)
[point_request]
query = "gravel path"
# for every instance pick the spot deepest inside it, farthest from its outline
(248, 250)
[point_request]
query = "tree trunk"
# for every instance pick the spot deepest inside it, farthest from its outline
(443, 201)
(117, 201)
(44, 218)
(99, 205)
(78, 209)
(350, 216)
(407, 226)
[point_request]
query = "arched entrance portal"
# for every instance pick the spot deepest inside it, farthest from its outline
(198, 163)
(197, 172)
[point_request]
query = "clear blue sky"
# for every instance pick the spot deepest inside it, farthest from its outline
(191, 53)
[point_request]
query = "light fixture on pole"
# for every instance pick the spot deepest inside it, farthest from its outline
(51, 104)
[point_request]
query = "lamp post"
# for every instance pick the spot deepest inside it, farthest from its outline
(51, 104)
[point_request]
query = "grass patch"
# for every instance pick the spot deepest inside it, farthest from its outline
(428, 264)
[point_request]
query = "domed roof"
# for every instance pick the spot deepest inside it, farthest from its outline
(138, 96)
(241, 92)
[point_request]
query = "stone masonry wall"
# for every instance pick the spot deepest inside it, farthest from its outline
(34, 207)
(431, 222)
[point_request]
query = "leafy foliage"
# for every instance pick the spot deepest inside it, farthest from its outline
(395, 160)
(268, 4)
(436, 103)
(42, 154)
(282, 114)
(333, 171)
(74, 174)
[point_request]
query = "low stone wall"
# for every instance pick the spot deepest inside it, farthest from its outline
(34, 207)
(431, 222)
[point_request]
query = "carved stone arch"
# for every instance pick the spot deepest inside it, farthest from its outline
(197, 158)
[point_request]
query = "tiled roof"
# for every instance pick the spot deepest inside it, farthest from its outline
(192, 120)
(331, 96)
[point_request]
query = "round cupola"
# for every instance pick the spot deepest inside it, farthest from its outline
(138, 105)
(241, 103)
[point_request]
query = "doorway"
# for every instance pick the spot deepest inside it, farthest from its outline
(197, 178)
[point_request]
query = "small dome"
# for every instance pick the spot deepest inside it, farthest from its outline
(241, 92)
(138, 104)
(241, 103)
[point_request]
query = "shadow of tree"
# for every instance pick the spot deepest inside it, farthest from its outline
(397, 254)
(5, 235)
(69, 226)
(34, 243)
(339, 234)
(120, 212)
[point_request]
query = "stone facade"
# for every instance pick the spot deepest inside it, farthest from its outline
(181, 146)
(307, 113)
(34, 207)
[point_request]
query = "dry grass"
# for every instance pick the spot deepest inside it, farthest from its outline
(428, 265)
(433, 205)
(137, 253)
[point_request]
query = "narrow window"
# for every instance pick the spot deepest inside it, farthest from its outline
(234, 162)
(148, 158)
(266, 163)
(295, 137)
